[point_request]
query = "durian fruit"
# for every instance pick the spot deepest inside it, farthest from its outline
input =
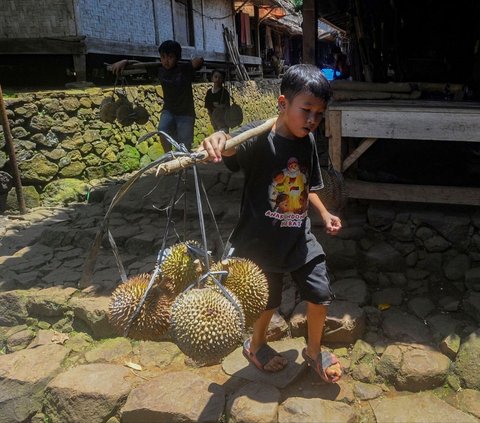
(205, 325)
(153, 320)
(248, 283)
(108, 110)
(180, 266)
(125, 115)
(141, 115)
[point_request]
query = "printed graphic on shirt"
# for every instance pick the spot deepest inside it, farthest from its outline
(288, 195)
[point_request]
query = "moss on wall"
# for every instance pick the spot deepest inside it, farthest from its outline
(59, 135)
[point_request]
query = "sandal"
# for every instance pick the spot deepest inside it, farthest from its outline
(324, 360)
(262, 357)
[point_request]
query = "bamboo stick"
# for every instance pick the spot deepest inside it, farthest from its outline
(11, 155)
(162, 169)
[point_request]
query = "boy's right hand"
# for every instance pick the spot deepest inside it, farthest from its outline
(214, 145)
(119, 66)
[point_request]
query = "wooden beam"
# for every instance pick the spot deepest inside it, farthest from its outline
(412, 193)
(66, 45)
(353, 157)
(309, 27)
(334, 124)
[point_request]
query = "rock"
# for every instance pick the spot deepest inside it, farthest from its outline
(383, 257)
(404, 327)
(423, 407)
(31, 198)
(175, 396)
(109, 350)
(345, 323)
(254, 402)
(298, 320)
(87, 393)
(64, 191)
(392, 296)
(471, 305)
(92, 315)
(366, 391)
(303, 410)
(413, 367)
(450, 346)
(455, 268)
(467, 365)
(13, 308)
(421, 306)
(278, 328)
(468, 400)
(351, 289)
(472, 279)
(159, 354)
(23, 377)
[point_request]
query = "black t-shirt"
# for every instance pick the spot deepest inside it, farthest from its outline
(221, 97)
(273, 229)
(177, 89)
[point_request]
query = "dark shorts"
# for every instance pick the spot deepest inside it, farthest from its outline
(311, 279)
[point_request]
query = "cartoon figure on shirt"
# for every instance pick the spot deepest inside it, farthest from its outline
(276, 188)
(295, 184)
(288, 195)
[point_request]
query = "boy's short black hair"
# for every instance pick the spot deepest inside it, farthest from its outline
(221, 72)
(171, 47)
(304, 78)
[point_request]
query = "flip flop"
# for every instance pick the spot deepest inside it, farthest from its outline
(262, 357)
(324, 360)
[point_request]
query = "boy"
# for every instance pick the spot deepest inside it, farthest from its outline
(217, 100)
(178, 114)
(282, 242)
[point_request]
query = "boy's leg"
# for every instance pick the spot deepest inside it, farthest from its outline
(259, 338)
(185, 127)
(316, 315)
(260, 327)
(314, 287)
(167, 125)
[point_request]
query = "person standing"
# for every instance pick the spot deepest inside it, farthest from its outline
(178, 115)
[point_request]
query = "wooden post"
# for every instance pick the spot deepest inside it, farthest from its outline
(335, 138)
(309, 27)
(11, 155)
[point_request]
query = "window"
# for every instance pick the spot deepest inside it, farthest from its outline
(183, 22)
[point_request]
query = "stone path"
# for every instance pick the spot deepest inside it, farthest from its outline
(407, 358)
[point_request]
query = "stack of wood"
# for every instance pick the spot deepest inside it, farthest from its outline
(357, 90)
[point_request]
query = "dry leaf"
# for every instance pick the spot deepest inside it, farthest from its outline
(133, 365)
(60, 338)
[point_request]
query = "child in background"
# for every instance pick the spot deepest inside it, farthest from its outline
(217, 100)
(278, 241)
(178, 115)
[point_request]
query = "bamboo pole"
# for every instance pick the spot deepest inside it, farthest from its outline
(162, 170)
(11, 155)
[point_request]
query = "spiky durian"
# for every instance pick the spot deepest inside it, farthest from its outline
(205, 325)
(125, 115)
(248, 283)
(152, 321)
(141, 115)
(108, 110)
(181, 266)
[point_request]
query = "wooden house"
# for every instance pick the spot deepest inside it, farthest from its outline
(407, 127)
(81, 35)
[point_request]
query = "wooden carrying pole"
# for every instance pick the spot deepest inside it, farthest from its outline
(11, 155)
(163, 169)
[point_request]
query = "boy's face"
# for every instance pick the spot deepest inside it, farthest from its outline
(301, 115)
(217, 78)
(168, 61)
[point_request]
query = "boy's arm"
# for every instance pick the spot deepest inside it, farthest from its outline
(332, 223)
(197, 62)
(119, 66)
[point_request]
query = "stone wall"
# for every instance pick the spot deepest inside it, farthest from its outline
(60, 139)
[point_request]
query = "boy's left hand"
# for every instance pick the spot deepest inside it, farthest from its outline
(333, 224)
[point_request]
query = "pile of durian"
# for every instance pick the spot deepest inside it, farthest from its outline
(122, 110)
(205, 319)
